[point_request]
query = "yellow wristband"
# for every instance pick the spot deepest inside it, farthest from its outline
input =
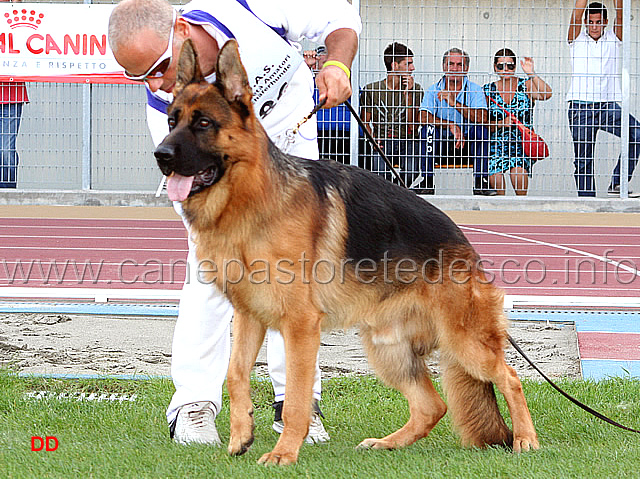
(340, 65)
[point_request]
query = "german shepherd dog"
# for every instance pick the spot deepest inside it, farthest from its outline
(382, 259)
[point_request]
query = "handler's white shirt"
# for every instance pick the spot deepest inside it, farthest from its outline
(595, 68)
(297, 19)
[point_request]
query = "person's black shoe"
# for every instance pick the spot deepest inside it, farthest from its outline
(424, 191)
(482, 187)
(484, 192)
(615, 191)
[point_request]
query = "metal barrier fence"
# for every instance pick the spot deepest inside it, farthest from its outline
(95, 137)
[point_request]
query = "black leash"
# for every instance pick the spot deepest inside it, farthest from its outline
(511, 340)
(567, 395)
(374, 143)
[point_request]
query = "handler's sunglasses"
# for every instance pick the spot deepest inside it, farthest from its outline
(160, 67)
(505, 66)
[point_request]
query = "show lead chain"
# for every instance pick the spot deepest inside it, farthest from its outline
(294, 130)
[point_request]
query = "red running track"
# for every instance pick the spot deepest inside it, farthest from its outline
(92, 253)
(611, 346)
(560, 260)
(134, 253)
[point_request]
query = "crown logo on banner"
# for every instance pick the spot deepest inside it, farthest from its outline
(24, 18)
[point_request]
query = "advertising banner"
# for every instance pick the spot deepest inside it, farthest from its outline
(56, 43)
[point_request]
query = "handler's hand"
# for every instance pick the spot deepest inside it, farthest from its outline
(332, 81)
(334, 85)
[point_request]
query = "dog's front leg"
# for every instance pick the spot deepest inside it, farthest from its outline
(301, 339)
(248, 336)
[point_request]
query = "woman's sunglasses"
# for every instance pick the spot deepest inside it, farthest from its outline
(160, 67)
(505, 66)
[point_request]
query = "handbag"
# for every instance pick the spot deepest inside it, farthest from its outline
(533, 145)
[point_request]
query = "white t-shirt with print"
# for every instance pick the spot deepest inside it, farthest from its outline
(293, 18)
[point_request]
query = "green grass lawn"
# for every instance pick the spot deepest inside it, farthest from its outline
(129, 439)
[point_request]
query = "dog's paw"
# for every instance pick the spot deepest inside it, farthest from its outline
(238, 447)
(278, 458)
(523, 444)
(373, 443)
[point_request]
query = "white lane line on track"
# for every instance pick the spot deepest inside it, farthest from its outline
(557, 246)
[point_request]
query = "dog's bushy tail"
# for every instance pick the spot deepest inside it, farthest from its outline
(467, 375)
(474, 409)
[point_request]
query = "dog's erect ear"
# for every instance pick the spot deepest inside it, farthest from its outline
(188, 67)
(231, 75)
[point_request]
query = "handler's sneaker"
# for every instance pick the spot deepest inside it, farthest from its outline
(195, 423)
(317, 432)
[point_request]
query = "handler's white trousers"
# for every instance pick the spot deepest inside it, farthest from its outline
(201, 338)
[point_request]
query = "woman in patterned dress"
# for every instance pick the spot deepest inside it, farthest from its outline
(517, 96)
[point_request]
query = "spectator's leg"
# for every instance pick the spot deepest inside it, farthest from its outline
(409, 158)
(613, 124)
(582, 123)
(5, 138)
(427, 145)
(324, 145)
(364, 153)
(332, 140)
(416, 163)
(334, 145)
(496, 182)
(519, 180)
(403, 161)
(477, 138)
(634, 144)
(10, 115)
(394, 149)
(344, 145)
(378, 165)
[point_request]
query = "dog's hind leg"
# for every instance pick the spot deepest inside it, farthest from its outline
(248, 336)
(524, 433)
(301, 333)
(472, 344)
(401, 365)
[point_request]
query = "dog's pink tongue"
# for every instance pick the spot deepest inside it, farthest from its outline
(179, 187)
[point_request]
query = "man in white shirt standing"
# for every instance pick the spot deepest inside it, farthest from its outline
(595, 92)
(146, 37)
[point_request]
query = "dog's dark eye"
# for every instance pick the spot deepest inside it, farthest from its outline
(172, 123)
(204, 123)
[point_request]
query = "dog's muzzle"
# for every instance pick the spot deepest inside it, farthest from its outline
(165, 156)
(184, 182)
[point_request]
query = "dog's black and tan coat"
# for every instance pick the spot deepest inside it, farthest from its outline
(311, 245)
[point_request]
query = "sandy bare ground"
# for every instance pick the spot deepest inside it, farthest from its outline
(81, 345)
